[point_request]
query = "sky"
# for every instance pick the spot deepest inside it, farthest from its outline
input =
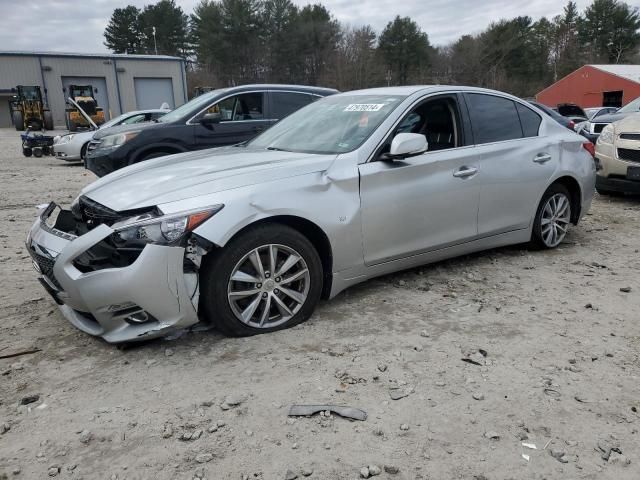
(78, 25)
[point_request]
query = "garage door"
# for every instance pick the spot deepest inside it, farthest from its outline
(153, 92)
(98, 83)
(5, 112)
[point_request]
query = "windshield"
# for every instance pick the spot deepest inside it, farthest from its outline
(196, 104)
(631, 107)
(333, 125)
(114, 121)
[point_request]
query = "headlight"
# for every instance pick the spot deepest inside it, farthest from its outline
(163, 229)
(114, 141)
(65, 139)
(606, 136)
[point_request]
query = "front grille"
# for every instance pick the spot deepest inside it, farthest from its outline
(598, 127)
(94, 214)
(629, 155)
(45, 264)
(630, 136)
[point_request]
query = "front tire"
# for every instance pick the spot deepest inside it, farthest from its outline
(267, 279)
(553, 218)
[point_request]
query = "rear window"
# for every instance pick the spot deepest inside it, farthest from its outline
(494, 119)
(529, 120)
(285, 103)
(571, 111)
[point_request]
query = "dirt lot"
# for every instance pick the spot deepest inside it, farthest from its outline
(561, 371)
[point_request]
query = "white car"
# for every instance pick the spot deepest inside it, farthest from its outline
(73, 146)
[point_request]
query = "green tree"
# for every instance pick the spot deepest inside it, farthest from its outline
(356, 65)
(279, 20)
(316, 38)
(171, 29)
(405, 49)
(122, 34)
(610, 30)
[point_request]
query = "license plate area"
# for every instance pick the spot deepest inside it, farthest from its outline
(633, 173)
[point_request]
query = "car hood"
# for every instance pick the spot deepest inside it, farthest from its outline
(187, 175)
(134, 127)
(612, 117)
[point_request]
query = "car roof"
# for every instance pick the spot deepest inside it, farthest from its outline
(277, 87)
(413, 89)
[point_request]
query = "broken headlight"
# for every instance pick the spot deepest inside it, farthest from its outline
(161, 229)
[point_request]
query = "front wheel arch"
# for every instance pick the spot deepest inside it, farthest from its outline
(313, 233)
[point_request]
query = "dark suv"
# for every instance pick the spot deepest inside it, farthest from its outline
(221, 117)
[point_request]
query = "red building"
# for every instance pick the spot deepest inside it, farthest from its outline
(595, 86)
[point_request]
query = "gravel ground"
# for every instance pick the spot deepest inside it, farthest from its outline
(491, 350)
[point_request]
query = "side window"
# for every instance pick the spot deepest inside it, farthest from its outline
(529, 120)
(437, 119)
(285, 103)
(494, 119)
(246, 106)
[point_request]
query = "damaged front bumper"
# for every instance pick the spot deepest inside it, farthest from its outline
(146, 299)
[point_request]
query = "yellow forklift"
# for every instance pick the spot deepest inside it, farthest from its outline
(28, 109)
(82, 96)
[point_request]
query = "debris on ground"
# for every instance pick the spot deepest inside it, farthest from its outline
(343, 411)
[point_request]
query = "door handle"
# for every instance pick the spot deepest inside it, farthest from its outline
(258, 129)
(465, 172)
(542, 158)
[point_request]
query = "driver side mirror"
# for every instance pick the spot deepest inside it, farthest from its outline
(210, 119)
(405, 145)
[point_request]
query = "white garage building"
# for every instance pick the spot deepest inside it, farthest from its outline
(120, 82)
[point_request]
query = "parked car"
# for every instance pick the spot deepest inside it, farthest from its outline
(592, 129)
(564, 121)
(596, 112)
(214, 119)
(572, 112)
(353, 186)
(618, 157)
(73, 146)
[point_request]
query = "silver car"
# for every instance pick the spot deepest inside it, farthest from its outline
(356, 185)
(73, 146)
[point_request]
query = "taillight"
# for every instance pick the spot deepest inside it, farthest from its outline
(572, 125)
(590, 147)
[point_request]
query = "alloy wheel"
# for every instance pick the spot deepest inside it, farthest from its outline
(268, 286)
(555, 219)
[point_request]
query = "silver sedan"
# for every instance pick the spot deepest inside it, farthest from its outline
(73, 146)
(356, 185)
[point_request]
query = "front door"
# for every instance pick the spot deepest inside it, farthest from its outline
(241, 118)
(425, 202)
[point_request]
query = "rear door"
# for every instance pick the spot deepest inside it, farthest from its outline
(283, 104)
(242, 117)
(516, 163)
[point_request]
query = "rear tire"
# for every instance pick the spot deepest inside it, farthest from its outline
(553, 218)
(48, 120)
(609, 193)
(27, 152)
(233, 270)
(18, 121)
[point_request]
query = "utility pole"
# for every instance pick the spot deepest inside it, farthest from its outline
(155, 45)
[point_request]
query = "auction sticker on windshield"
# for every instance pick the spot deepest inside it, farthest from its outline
(364, 107)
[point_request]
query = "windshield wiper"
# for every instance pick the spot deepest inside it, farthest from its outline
(276, 149)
